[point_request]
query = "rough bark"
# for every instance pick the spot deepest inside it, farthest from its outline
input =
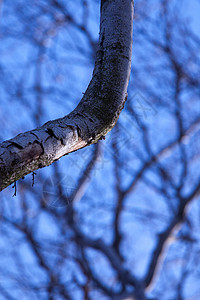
(97, 112)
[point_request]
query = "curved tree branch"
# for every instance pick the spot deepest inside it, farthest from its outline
(97, 112)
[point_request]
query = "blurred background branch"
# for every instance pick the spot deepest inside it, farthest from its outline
(134, 231)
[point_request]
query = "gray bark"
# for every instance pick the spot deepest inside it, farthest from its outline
(97, 112)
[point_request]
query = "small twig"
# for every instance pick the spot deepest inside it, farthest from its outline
(33, 178)
(15, 187)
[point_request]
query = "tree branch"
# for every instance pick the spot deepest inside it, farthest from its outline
(97, 112)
